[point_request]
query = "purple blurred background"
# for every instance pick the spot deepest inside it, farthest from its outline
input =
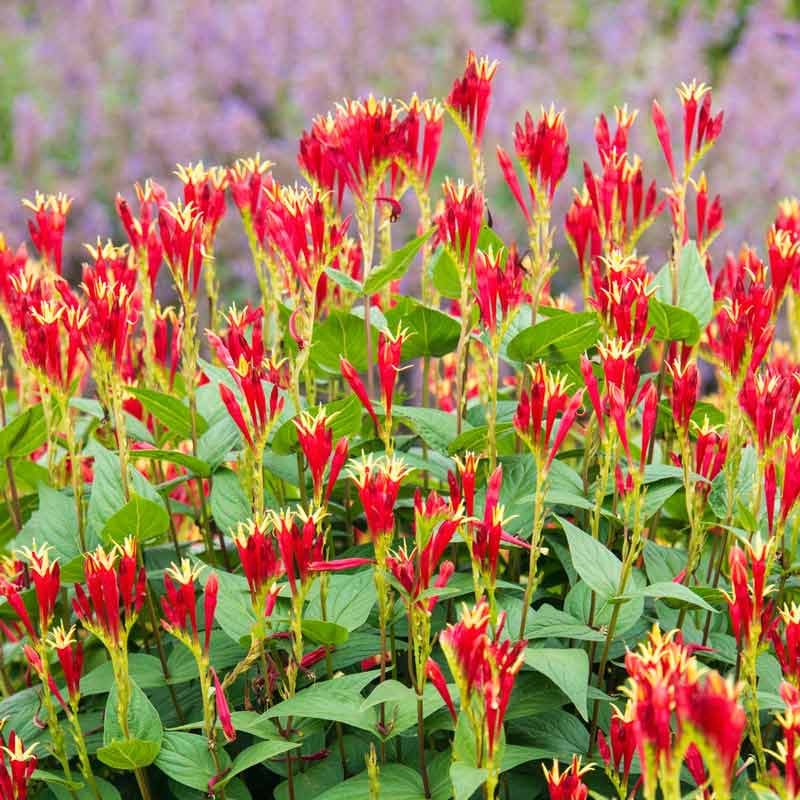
(97, 94)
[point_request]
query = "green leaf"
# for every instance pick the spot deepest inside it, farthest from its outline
(436, 427)
(234, 609)
(215, 444)
(169, 411)
(396, 265)
(107, 497)
(144, 669)
(341, 334)
(694, 289)
(324, 632)
(432, 332)
(445, 274)
(256, 754)
(195, 465)
(593, 561)
(60, 787)
(398, 782)
(140, 518)
(144, 725)
(349, 602)
(337, 700)
(556, 340)
(467, 779)
(672, 323)
(185, 758)
(567, 668)
(673, 591)
(229, 504)
(344, 280)
(23, 434)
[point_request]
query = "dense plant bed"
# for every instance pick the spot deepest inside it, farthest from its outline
(347, 542)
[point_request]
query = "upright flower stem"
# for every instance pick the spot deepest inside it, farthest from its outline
(366, 229)
(536, 542)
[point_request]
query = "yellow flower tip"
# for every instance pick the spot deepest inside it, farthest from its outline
(185, 573)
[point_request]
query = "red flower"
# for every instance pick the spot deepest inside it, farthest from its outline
(389, 350)
(47, 226)
(35, 662)
(770, 399)
(580, 225)
(435, 676)
(110, 316)
(470, 96)
(602, 135)
(785, 639)
(17, 765)
(359, 390)
(791, 476)
(260, 560)
(567, 785)
(466, 469)
(70, 656)
(205, 190)
(316, 441)
(623, 741)
(46, 577)
(300, 545)
(181, 230)
(746, 600)
(249, 368)
(544, 153)
(179, 606)
(378, 483)
(223, 710)
(710, 704)
(423, 123)
(662, 132)
(684, 392)
(142, 232)
(114, 588)
(538, 409)
(459, 223)
(696, 97)
(709, 219)
(784, 260)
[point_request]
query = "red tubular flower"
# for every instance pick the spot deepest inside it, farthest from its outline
(785, 639)
(684, 392)
(300, 547)
(35, 662)
(791, 477)
(711, 706)
(789, 723)
(17, 765)
(298, 233)
(260, 560)
(47, 226)
(467, 470)
(784, 260)
(602, 134)
(487, 280)
(70, 656)
(746, 600)
(351, 376)
(378, 483)
(46, 577)
(709, 219)
(649, 416)
(696, 97)
(581, 227)
(711, 450)
(538, 408)
(567, 785)
(623, 741)
(10, 590)
(249, 368)
(434, 674)
(662, 132)
(54, 340)
(337, 462)
(459, 223)
(389, 349)
(223, 710)
(422, 125)
(471, 94)
(741, 333)
(770, 399)
(113, 589)
(110, 317)
(205, 190)
(181, 230)
(178, 603)
(544, 153)
(142, 232)
(316, 441)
